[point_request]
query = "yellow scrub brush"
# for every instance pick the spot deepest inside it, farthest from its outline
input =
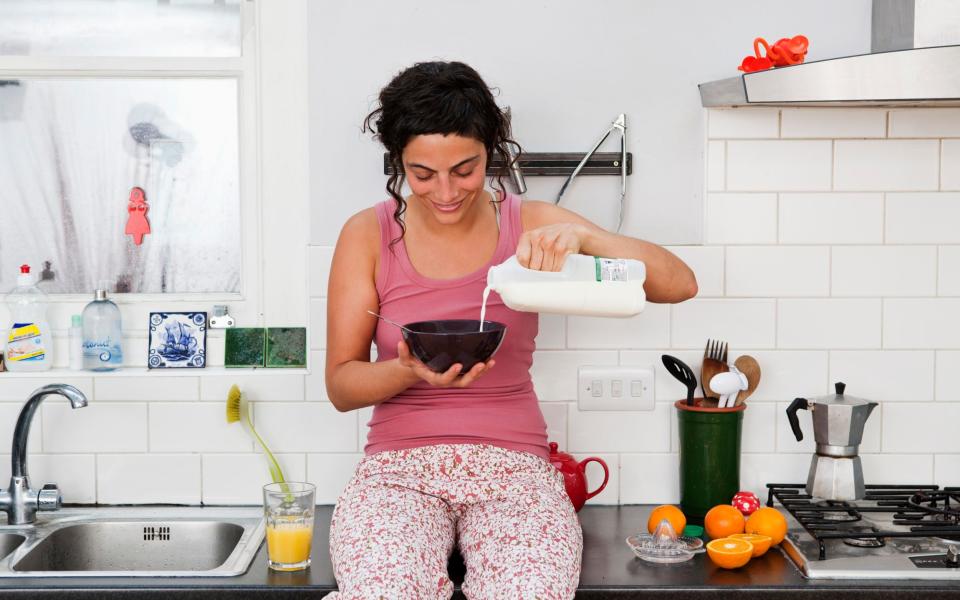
(239, 410)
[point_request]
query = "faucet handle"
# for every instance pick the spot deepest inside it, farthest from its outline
(49, 497)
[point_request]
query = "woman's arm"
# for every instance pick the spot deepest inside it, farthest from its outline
(551, 233)
(352, 380)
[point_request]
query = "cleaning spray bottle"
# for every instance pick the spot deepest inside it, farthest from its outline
(29, 340)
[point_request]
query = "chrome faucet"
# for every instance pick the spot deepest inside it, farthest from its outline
(19, 501)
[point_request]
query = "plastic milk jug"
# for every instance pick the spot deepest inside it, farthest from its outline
(586, 285)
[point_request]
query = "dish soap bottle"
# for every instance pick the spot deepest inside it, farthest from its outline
(586, 285)
(29, 340)
(102, 349)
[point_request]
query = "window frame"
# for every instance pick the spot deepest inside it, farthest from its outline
(246, 305)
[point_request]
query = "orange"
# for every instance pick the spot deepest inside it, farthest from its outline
(730, 553)
(761, 543)
(768, 521)
(669, 512)
(723, 520)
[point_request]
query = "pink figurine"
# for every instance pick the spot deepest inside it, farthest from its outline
(137, 224)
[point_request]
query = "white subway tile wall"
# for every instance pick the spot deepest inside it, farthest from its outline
(831, 254)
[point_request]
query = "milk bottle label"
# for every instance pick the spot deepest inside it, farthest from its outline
(612, 269)
(25, 343)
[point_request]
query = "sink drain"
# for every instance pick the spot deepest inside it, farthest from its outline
(151, 534)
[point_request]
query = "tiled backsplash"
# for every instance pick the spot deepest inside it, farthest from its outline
(832, 252)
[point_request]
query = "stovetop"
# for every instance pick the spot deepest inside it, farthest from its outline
(895, 532)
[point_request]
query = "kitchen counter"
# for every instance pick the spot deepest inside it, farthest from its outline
(610, 571)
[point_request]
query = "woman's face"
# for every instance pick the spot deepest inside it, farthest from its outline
(446, 173)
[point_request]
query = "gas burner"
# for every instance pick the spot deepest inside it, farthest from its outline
(831, 512)
(938, 504)
(872, 542)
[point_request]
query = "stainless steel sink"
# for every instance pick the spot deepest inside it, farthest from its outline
(9, 542)
(134, 542)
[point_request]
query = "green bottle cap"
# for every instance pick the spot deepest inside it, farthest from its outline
(693, 531)
(76, 321)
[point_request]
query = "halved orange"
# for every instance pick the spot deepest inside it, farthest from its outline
(730, 553)
(669, 512)
(761, 543)
(767, 521)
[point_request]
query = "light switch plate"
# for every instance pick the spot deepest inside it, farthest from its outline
(620, 388)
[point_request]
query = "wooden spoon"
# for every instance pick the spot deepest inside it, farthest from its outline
(748, 366)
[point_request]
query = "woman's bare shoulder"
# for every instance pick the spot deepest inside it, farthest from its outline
(362, 225)
(359, 238)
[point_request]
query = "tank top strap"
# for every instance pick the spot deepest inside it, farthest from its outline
(389, 231)
(511, 227)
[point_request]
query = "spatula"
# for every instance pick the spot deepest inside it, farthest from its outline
(682, 373)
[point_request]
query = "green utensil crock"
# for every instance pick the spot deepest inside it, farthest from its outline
(709, 456)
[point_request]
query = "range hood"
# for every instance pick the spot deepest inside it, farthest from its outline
(915, 62)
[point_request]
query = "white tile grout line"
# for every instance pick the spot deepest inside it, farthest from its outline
(776, 216)
(834, 159)
(726, 164)
(940, 168)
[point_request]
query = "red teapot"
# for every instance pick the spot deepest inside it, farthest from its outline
(574, 475)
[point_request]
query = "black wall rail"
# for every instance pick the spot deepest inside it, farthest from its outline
(556, 164)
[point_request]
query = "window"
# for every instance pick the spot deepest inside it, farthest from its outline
(100, 98)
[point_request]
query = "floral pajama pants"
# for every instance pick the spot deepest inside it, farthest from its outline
(396, 524)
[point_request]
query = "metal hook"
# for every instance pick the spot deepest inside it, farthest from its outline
(620, 124)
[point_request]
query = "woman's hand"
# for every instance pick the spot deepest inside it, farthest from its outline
(451, 378)
(546, 248)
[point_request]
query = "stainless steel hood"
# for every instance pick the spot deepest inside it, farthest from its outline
(915, 62)
(915, 77)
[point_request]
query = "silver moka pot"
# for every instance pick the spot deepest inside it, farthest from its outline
(835, 471)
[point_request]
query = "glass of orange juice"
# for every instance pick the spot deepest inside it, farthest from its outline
(288, 509)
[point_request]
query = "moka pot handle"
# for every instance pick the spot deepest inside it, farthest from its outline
(796, 405)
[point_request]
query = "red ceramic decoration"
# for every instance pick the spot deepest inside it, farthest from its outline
(746, 502)
(785, 52)
(574, 475)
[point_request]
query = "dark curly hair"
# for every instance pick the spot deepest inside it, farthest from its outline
(439, 97)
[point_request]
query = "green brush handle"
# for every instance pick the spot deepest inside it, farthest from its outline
(275, 472)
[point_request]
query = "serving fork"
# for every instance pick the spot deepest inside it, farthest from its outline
(714, 361)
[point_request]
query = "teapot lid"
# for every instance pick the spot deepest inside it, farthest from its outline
(842, 399)
(557, 455)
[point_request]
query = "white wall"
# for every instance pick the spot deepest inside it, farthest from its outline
(567, 68)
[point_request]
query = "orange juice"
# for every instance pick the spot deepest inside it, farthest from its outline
(289, 543)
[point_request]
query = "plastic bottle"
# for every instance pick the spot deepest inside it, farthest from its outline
(75, 342)
(102, 334)
(29, 341)
(586, 285)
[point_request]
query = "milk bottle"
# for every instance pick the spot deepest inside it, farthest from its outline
(586, 285)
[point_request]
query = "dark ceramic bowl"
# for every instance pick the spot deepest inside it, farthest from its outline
(440, 344)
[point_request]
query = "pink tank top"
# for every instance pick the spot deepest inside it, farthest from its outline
(501, 407)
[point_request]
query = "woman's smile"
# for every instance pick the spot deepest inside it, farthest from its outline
(447, 207)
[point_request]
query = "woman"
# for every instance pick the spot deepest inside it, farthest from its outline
(453, 458)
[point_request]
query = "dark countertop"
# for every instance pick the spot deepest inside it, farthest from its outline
(610, 571)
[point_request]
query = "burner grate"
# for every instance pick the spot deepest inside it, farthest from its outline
(923, 510)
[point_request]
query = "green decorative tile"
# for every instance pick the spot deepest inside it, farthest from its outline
(287, 347)
(245, 347)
